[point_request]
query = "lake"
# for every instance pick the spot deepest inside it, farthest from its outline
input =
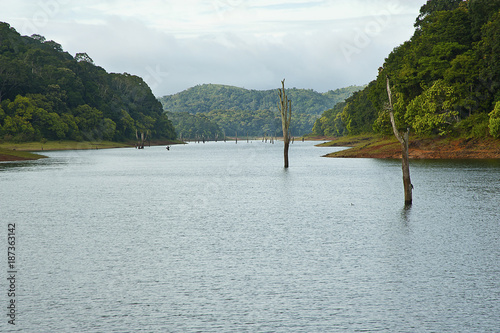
(219, 237)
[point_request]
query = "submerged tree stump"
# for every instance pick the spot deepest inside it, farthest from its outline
(141, 140)
(285, 107)
(404, 141)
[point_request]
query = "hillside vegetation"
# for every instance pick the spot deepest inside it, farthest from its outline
(47, 94)
(445, 80)
(252, 112)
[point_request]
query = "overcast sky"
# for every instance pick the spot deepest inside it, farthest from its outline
(176, 44)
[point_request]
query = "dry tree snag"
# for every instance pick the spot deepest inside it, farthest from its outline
(285, 107)
(404, 140)
(141, 140)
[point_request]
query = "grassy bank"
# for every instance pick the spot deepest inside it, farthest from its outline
(13, 155)
(10, 151)
(374, 146)
(61, 145)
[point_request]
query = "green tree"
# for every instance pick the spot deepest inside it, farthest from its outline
(12, 77)
(433, 6)
(359, 112)
(489, 47)
(331, 124)
(73, 130)
(19, 128)
(125, 126)
(83, 57)
(163, 128)
(48, 125)
(22, 107)
(87, 118)
(481, 12)
(494, 124)
(462, 76)
(433, 110)
(107, 129)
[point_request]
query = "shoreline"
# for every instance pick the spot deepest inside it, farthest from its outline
(386, 147)
(361, 146)
(27, 151)
(16, 156)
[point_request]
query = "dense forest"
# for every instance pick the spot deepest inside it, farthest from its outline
(47, 94)
(445, 80)
(195, 126)
(247, 112)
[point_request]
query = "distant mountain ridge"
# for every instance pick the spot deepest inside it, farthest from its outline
(211, 110)
(208, 97)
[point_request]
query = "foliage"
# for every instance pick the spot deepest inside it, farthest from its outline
(447, 73)
(432, 111)
(195, 126)
(482, 12)
(494, 123)
(330, 124)
(433, 6)
(475, 126)
(252, 111)
(45, 93)
(208, 97)
(358, 114)
(256, 123)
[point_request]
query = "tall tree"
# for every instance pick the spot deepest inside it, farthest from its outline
(285, 107)
(481, 11)
(433, 6)
(404, 139)
(494, 123)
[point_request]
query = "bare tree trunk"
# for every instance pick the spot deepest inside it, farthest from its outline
(404, 140)
(287, 145)
(285, 107)
(408, 187)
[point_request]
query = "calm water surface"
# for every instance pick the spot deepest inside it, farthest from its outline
(218, 237)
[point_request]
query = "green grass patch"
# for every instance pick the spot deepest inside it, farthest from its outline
(14, 155)
(61, 145)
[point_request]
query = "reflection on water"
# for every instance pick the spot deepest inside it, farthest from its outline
(406, 214)
(36, 165)
(220, 238)
(11, 166)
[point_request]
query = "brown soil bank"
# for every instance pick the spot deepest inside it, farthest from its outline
(369, 146)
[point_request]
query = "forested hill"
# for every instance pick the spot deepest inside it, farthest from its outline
(208, 97)
(46, 93)
(445, 80)
(254, 112)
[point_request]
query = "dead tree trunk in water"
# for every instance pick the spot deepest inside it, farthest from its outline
(285, 107)
(141, 141)
(404, 140)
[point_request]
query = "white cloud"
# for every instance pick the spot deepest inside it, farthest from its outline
(175, 44)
